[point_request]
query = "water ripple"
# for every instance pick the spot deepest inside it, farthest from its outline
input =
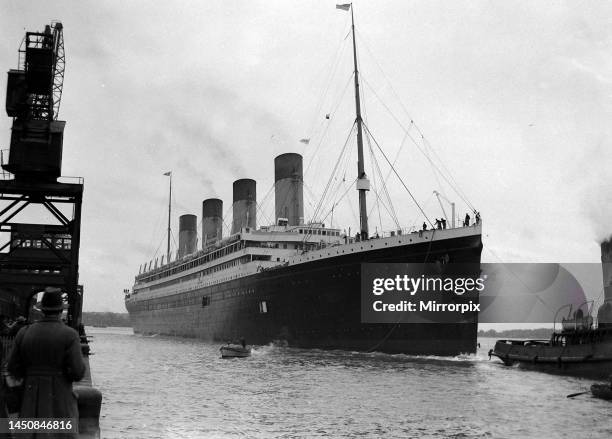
(160, 387)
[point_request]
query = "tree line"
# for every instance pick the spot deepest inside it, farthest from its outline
(106, 319)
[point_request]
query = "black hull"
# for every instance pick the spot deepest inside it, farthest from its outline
(311, 305)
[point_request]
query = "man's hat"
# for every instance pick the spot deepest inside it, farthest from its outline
(52, 300)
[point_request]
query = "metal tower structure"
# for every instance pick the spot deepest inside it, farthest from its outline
(38, 251)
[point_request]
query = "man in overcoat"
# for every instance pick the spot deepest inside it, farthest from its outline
(47, 355)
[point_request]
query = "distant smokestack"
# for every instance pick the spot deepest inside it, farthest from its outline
(245, 204)
(212, 221)
(606, 266)
(289, 188)
(188, 234)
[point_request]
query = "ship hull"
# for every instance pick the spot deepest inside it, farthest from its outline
(312, 305)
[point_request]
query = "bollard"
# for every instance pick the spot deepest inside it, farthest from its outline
(89, 402)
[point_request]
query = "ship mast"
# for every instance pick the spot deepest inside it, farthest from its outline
(363, 184)
(169, 174)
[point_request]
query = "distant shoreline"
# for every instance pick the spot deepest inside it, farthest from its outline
(102, 319)
(539, 333)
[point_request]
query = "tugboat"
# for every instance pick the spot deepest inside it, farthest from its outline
(580, 348)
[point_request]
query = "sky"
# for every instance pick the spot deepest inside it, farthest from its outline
(513, 98)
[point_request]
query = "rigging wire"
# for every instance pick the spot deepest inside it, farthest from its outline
(372, 158)
(157, 250)
(350, 186)
(155, 230)
(339, 57)
(228, 227)
(336, 62)
(397, 175)
(416, 218)
(324, 134)
(320, 204)
(259, 208)
(455, 186)
(379, 200)
(427, 156)
(507, 267)
(396, 158)
(342, 170)
(376, 167)
(311, 196)
(375, 190)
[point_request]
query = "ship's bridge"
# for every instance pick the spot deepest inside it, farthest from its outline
(301, 237)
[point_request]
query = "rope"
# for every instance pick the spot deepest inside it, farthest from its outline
(398, 176)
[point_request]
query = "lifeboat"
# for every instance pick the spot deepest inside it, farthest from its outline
(235, 351)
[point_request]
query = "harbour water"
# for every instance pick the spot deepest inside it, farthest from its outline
(163, 387)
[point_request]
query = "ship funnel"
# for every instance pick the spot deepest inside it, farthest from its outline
(188, 234)
(245, 205)
(212, 221)
(606, 266)
(289, 188)
(604, 313)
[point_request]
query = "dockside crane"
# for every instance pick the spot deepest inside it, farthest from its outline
(38, 253)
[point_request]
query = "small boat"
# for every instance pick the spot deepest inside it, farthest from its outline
(231, 350)
(602, 391)
(579, 349)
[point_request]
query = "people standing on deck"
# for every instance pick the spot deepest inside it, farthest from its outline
(477, 218)
(47, 355)
(424, 226)
(443, 222)
(438, 224)
(466, 223)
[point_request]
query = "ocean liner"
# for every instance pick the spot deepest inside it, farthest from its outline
(294, 282)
